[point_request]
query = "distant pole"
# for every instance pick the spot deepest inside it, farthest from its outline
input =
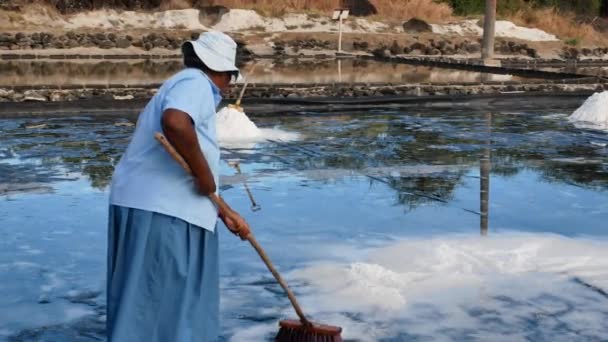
(340, 34)
(339, 15)
(489, 23)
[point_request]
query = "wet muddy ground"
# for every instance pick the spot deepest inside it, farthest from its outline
(375, 216)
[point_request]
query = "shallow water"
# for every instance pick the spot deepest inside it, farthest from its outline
(375, 217)
(138, 72)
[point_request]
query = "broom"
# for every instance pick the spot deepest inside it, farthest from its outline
(290, 330)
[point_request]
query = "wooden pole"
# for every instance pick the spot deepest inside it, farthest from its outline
(489, 27)
(340, 33)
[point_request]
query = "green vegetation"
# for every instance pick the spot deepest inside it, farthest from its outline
(580, 7)
(572, 42)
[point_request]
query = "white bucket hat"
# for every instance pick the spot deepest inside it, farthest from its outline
(217, 50)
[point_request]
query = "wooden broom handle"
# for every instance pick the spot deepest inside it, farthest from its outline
(172, 151)
(292, 298)
(238, 100)
(251, 238)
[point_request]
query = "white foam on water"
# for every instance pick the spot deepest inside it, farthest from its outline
(22, 264)
(235, 129)
(557, 116)
(75, 312)
(426, 286)
(29, 250)
(593, 113)
(53, 282)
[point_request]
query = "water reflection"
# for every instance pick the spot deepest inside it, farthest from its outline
(484, 180)
(356, 180)
(93, 72)
(448, 143)
(57, 147)
(104, 72)
(254, 205)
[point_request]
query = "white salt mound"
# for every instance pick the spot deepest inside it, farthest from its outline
(111, 19)
(235, 128)
(243, 19)
(239, 19)
(593, 113)
(235, 125)
(504, 28)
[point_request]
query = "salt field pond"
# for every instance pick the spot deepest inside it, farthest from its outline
(140, 72)
(376, 218)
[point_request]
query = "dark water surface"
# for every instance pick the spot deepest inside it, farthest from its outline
(375, 217)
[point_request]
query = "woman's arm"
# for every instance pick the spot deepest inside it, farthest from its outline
(178, 128)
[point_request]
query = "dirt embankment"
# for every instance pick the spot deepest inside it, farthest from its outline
(42, 30)
(38, 31)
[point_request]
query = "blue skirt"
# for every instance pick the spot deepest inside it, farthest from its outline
(163, 279)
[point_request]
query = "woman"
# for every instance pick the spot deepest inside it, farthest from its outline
(163, 278)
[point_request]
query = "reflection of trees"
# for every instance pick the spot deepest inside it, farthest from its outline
(576, 165)
(97, 162)
(549, 147)
(381, 141)
(100, 175)
(415, 191)
(64, 147)
(585, 175)
(505, 167)
(352, 142)
(358, 142)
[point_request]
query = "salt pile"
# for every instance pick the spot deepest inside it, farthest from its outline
(235, 129)
(393, 275)
(235, 125)
(112, 19)
(420, 286)
(593, 113)
(244, 19)
(504, 28)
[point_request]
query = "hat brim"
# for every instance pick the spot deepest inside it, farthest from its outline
(213, 61)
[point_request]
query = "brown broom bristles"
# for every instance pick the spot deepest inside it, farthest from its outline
(295, 331)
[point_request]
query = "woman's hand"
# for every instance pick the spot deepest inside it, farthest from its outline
(233, 221)
(236, 224)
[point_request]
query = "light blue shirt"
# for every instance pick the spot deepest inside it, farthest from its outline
(147, 177)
